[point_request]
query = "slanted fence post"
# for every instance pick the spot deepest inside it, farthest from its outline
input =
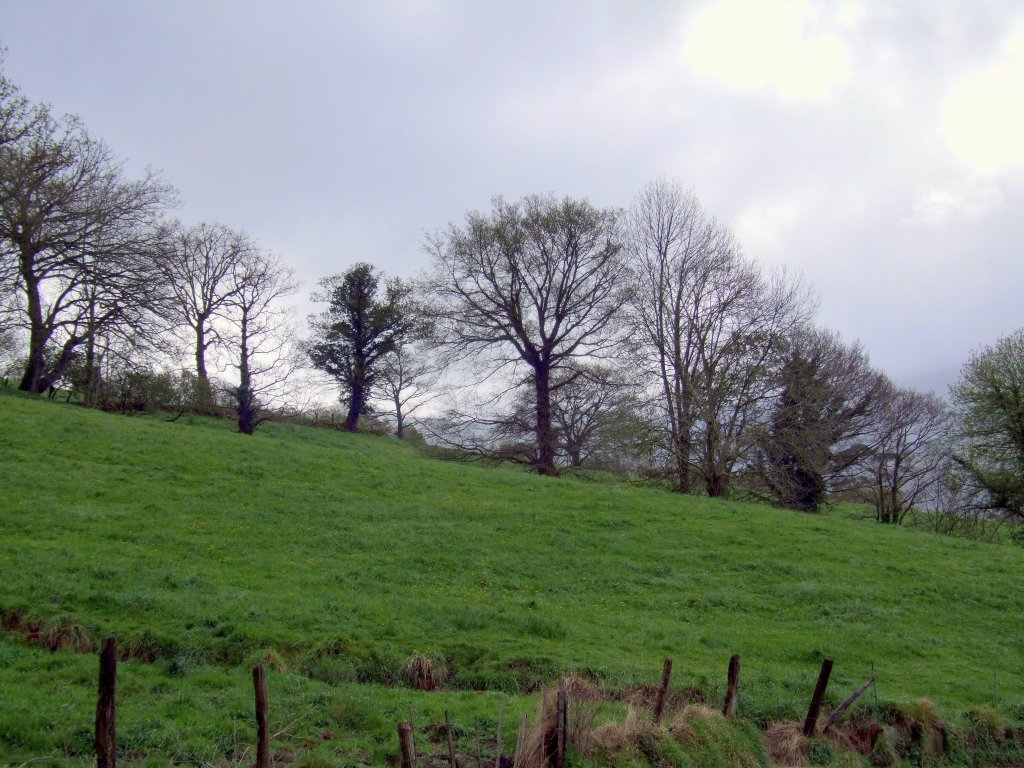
(666, 675)
(731, 705)
(818, 698)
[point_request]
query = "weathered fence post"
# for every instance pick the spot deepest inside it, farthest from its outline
(106, 707)
(659, 705)
(497, 747)
(451, 738)
(818, 698)
(830, 720)
(259, 684)
(732, 690)
(406, 744)
(563, 728)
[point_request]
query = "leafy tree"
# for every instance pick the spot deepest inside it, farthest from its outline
(536, 284)
(989, 404)
(823, 426)
(362, 324)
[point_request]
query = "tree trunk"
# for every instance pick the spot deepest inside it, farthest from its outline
(683, 447)
(204, 393)
(246, 402)
(91, 379)
(545, 461)
(717, 485)
(355, 407)
(399, 418)
(34, 366)
(36, 362)
(201, 352)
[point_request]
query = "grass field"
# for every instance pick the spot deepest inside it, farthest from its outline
(340, 555)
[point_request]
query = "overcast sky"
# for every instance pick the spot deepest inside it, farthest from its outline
(876, 146)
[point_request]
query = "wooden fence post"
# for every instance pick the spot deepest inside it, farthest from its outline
(451, 738)
(563, 728)
(659, 705)
(732, 690)
(818, 698)
(830, 720)
(106, 707)
(405, 742)
(497, 747)
(259, 684)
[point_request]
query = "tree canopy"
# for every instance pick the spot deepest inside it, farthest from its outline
(362, 324)
(989, 401)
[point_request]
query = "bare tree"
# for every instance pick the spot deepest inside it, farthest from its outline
(199, 268)
(675, 249)
(908, 463)
(534, 284)
(749, 319)
(17, 114)
(408, 380)
(259, 331)
(710, 323)
(77, 240)
(586, 413)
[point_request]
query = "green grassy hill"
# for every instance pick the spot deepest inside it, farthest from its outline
(337, 556)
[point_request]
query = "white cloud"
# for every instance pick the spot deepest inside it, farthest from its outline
(779, 46)
(764, 227)
(973, 197)
(983, 115)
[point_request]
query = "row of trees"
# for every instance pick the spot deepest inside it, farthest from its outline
(97, 280)
(546, 330)
(645, 339)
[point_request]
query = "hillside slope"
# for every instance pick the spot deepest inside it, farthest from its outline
(342, 554)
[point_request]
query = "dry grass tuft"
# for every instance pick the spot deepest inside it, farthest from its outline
(272, 660)
(581, 689)
(66, 635)
(540, 740)
(916, 717)
(786, 743)
(643, 697)
(989, 722)
(425, 673)
(855, 735)
(613, 738)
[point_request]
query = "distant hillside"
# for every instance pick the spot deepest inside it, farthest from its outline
(340, 555)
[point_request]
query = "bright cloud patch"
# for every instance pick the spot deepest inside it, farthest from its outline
(983, 116)
(774, 45)
(971, 198)
(764, 227)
